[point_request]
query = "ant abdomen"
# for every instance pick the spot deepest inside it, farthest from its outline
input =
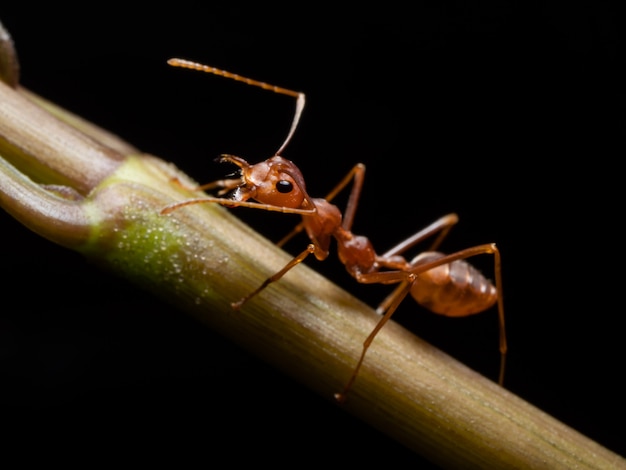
(456, 289)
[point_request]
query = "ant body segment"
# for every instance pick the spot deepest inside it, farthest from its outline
(445, 284)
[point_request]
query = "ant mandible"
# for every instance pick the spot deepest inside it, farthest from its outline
(445, 284)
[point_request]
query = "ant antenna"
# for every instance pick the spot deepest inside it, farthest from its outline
(300, 99)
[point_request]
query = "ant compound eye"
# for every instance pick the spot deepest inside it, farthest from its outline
(284, 186)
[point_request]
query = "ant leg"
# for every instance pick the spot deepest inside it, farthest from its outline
(441, 226)
(490, 248)
(407, 278)
(357, 174)
(342, 396)
(275, 277)
(233, 203)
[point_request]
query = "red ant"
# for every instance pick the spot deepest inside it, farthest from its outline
(445, 284)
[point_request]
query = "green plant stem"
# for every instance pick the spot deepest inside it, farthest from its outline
(106, 204)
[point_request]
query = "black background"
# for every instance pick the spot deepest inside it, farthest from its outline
(512, 116)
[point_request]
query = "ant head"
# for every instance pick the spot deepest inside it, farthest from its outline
(275, 181)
